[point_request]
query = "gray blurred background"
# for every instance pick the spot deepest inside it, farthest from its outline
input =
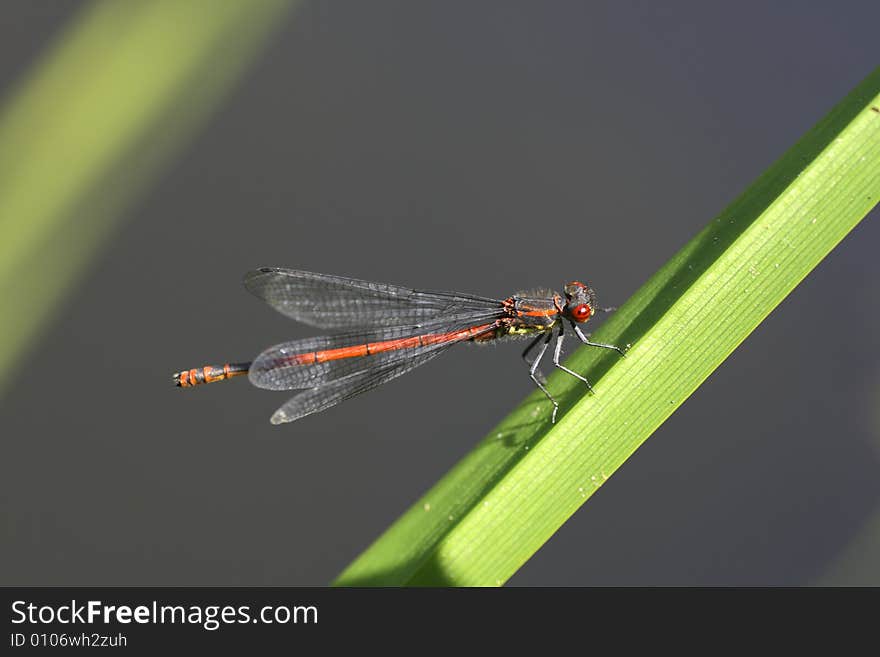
(481, 147)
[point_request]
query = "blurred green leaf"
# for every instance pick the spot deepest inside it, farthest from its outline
(488, 515)
(116, 97)
(857, 565)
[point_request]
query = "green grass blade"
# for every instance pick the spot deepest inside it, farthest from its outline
(119, 93)
(497, 506)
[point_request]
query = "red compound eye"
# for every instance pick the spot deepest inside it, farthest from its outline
(582, 312)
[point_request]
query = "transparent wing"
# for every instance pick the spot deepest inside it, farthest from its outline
(317, 361)
(330, 301)
(323, 397)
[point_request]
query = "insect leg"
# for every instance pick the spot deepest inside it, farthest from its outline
(538, 383)
(525, 356)
(558, 352)
(586, 340)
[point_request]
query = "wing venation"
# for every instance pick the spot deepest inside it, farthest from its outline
(337, 302)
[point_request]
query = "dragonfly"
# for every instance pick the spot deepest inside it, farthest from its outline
(379, 332)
